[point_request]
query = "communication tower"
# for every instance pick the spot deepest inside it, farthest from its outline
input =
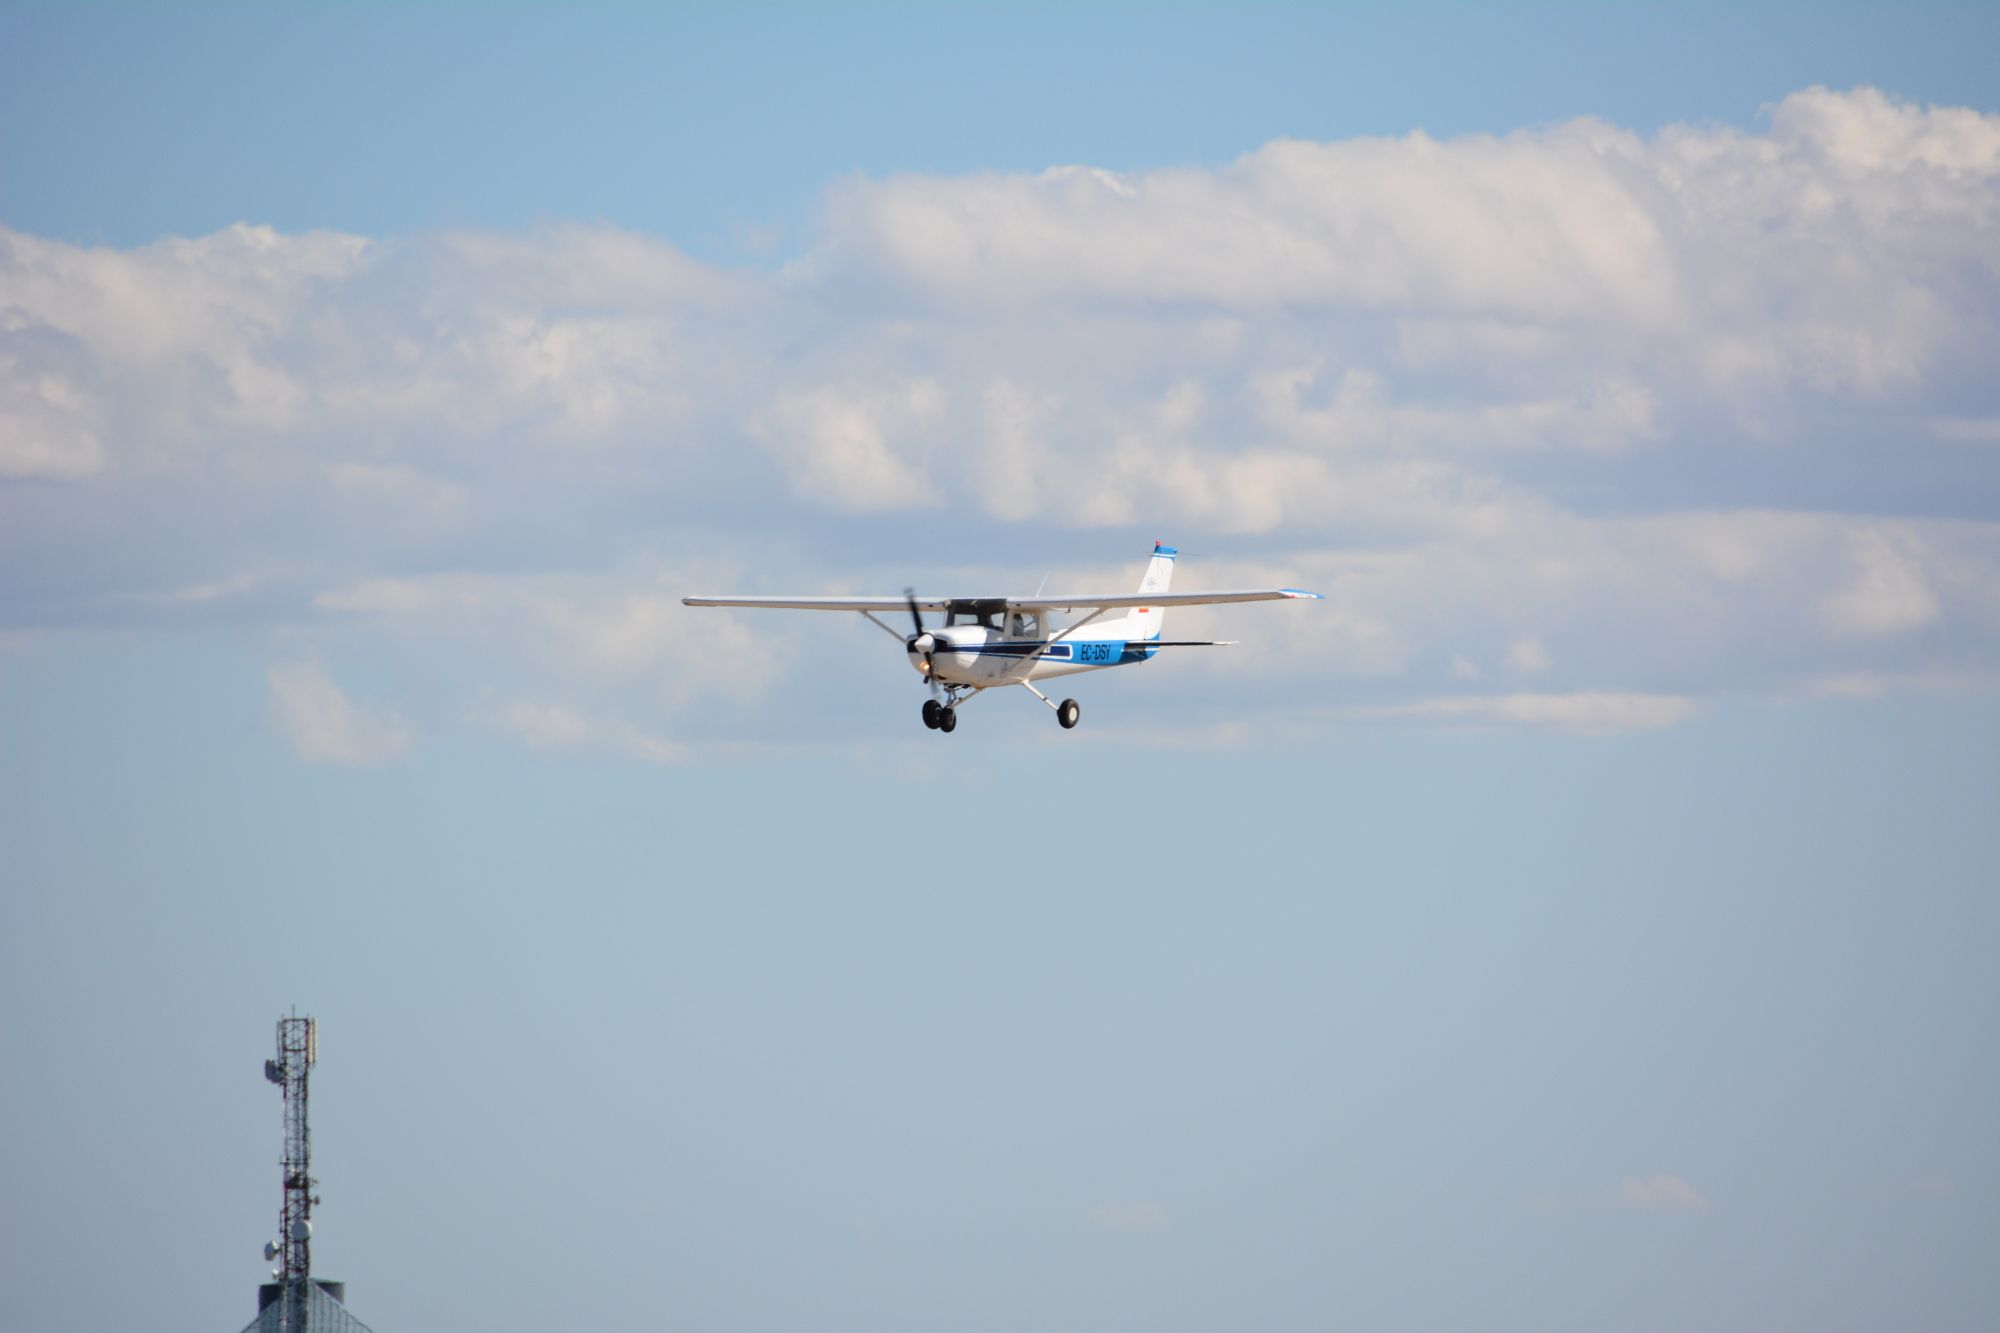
(294, 1301)
(298, 1052)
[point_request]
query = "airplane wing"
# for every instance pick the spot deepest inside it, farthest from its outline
(1097, 602)
(827, 603)
(1039, 602)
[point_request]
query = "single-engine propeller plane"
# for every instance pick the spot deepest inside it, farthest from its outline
(986, 642)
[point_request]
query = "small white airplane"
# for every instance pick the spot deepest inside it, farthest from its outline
(993, 641)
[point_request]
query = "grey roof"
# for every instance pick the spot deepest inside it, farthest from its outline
(323, 1314)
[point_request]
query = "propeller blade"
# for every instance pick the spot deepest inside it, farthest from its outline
(922, 641)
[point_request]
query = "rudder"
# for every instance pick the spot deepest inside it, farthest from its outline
(1144, 622)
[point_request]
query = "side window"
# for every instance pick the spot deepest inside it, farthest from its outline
(1024, 625)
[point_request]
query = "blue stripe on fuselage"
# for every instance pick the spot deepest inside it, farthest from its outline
(1082, 652)
(1089, 652)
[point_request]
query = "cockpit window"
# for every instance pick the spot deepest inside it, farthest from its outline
(967, 616)
(1024, 625)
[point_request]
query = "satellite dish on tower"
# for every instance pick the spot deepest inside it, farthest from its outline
(302, 1229)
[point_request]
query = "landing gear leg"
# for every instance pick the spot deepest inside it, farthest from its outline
(1067, 712)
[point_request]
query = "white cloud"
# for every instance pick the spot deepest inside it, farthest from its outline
(1888, 595)
(1571, 403)
(219, 293)
(323, 725)
(1602, 416)
(48, 425)
(1815, 251)
(591, 268)
(1371, 222)
(411, 496)
(1865, 131)
(854, 451)
(1017, 474)
(1528, 655)
(647, 661)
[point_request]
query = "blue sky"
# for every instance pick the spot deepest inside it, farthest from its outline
(1579, 920)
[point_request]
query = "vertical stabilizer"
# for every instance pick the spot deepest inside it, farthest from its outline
(1144, 622)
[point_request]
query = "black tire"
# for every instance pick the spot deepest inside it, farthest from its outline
(1067, 713)
(931, 711)
(947, 719)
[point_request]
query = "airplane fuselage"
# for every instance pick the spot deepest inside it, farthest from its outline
(982, 657)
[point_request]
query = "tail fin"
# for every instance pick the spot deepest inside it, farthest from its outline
(1144, 622)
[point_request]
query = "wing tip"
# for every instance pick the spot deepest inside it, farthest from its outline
(1302, 593)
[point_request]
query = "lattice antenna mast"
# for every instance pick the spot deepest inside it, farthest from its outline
(298, 1051)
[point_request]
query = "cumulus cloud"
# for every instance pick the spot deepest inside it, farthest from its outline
(324, 725)
(1888, 594)
(1639, 419)
(523, 646)
(853, 451)
(1733, 249)
(1374, 223)
(49, 423)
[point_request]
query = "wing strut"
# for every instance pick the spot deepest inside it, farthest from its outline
(897, 636)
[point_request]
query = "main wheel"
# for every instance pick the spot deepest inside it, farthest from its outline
(947, 719)
(1067, 712)
(931, 711)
